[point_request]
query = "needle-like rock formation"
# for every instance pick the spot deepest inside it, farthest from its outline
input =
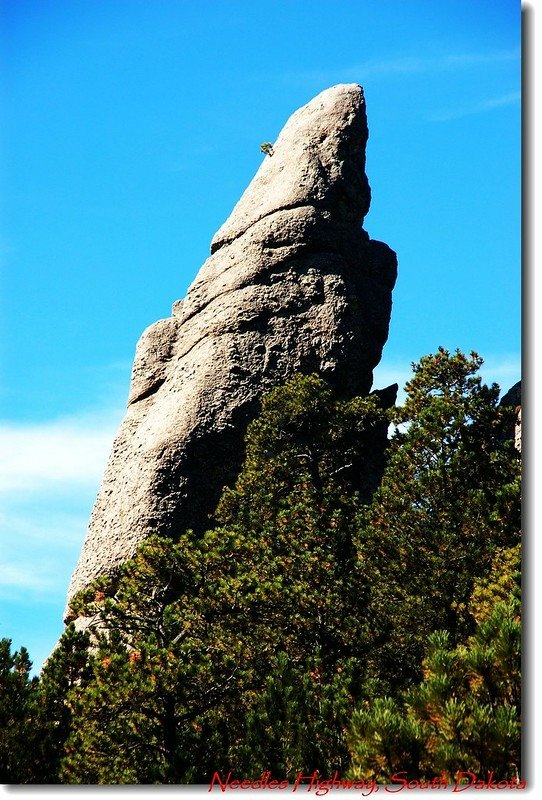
(293, 284)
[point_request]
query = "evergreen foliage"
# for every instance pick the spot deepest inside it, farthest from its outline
(247, 648)
(35, 717)
(16, 688)
(465, 714)
(203, 634)
(450, 496)
(66, 668)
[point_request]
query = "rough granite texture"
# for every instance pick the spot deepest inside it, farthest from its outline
(293, 284)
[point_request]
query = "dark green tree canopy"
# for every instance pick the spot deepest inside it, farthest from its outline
(332, 563)
(450, 496)
(465, 713)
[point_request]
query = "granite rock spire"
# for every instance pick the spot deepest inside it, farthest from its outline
(293, 284)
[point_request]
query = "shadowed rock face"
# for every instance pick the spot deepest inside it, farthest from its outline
(512, 398)
(293, 284)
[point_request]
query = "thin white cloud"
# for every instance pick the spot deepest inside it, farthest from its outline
(41, 533)
(406, 65)
(50, 472)
(475, 59)
(30, 577)
(488, 104)
(417, 64)
(49, 476)
(63, 452)
(504, 370)
(54, 519)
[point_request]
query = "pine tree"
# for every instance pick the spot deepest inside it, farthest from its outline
(311, 594)
(465, 714)
(190, 630)
(450, 496)
(50, 715)
(16, 688)
(35, 718)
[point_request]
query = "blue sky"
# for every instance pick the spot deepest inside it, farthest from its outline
(131, 129)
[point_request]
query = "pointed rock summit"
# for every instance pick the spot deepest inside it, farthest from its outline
(293, 284)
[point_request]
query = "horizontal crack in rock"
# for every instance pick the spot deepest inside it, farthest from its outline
(216, 246)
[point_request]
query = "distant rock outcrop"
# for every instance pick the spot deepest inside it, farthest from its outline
(294, 284)
(512, 398)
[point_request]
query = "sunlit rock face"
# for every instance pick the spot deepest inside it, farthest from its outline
(293, 284)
